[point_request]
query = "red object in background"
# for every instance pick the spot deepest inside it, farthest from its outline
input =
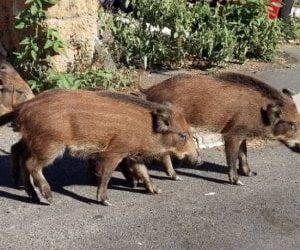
(274, 8)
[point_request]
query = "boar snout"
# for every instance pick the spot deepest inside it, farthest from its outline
(296, 148)
(195, 159)
(192, 155)
(293, 145)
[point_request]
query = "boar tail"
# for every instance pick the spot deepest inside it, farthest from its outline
(139, 82)
(8, 117)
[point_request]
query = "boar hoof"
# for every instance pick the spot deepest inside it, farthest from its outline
(134, 184)
(156, 190)
(238, 182)
(177, 178)
(105, 203)
(235, 181)
(248, 173)
(48, 195)
(49, 199)
(252, 173)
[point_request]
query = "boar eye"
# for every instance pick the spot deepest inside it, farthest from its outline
(183, 136)
(21, 92)
(292, 126)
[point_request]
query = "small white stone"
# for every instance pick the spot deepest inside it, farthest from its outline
(210, 193)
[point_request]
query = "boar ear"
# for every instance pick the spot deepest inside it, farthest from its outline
(273, 113)
(288, 92)
(161, 119)
(167, 104)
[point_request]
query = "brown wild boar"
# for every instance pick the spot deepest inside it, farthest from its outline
(13, 89)
(115, 126)
(236, 105)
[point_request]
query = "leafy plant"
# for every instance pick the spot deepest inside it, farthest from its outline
(35, 50)
(154, 34)
(290, 29)
(224, 33)
(89, 79)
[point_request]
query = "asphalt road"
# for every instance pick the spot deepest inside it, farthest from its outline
(264, 214)
(288, 77)
(201, 212)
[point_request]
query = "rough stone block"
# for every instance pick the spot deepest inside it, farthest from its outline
(80, 34)
(66, 9)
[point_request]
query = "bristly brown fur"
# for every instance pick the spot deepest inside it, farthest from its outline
(132, 99)
(14, 90)
(171, 82)
(235, 105)
(251, 82)
(112, 125)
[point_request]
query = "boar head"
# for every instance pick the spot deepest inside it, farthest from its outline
(285, 123)
(176, 133)
(13, 89)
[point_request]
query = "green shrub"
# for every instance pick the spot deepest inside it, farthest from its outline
(32, 57)
(93, 78)
(290, 28)
(142, 41)
(231, 32)
(35, 50)
(210, 38)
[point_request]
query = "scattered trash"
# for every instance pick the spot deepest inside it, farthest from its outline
(140, 243)
(210, 193)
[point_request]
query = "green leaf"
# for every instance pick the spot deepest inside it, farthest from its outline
(33, 9)
(33, 54)
(52, 2)
(32, 84)
(29, 1)
(25, 41)
(20, 25)
(48, 44)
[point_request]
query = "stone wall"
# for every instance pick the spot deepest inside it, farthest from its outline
(9, 37)
(76, 21)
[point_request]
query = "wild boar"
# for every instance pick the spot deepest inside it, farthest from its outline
(13, 89)
(114, 126)
(236, 105)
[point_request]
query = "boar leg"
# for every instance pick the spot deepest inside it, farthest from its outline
(42, 184)
(166, 160)
(128, 174)
(28, 185)
(34, 165)
(17, 154)
(141, 172)
(104, 173)
(232, 146)
(244, 168)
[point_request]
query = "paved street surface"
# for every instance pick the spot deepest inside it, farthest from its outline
(264, 214)
(200, 212)
(288, 77)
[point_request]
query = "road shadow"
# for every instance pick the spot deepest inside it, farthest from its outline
(210, 179)
(5, 171)
(212, 167)
(71, 171)
(62, 173)
(181, 166)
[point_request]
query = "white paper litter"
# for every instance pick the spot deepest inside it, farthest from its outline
(210, 193)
